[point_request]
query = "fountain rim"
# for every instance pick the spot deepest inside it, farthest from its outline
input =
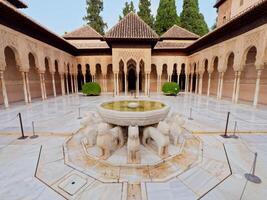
(166, 106)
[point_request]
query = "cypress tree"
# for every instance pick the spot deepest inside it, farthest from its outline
(192, 19)
(145, 12)
(128, 7)
(166, 16)
(93, 18)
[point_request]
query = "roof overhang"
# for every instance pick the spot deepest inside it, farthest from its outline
(17, 21)
(18, 3)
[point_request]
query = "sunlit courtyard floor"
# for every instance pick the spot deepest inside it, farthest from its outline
(207, 166)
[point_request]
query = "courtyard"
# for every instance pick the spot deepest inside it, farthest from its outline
(206, 166)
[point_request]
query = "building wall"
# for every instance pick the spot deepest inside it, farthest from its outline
(247, 64)
(224, 12)
(239, 6)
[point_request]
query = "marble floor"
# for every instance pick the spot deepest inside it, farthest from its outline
(207, 167)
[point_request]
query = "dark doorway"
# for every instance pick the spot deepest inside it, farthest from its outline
(131, 79)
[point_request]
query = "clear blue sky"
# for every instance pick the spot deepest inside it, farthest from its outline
(66, 15)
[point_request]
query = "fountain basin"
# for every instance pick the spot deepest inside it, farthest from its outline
(142, 113)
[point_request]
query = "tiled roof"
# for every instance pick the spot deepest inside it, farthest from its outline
(85, 32)
(176, 32)
(172, 45)
(131, 27)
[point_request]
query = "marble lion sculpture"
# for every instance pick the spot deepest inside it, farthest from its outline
(161, 137)
(133, 144)
(108, 139)
(177, 129)
(89, 129)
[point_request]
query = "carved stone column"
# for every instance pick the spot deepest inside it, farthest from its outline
(114, 84)
(117, 83)
(234, 87)
(191, 84)
(200, 84)
(72, 83)
(125, 83)
(186, 83)
(24, 87)
(4, 92)
(62, 84)
(208, 92)
(178, 79)
(67, 83)
(44, 87)
(28, 87)
(54, 85)
(148, 85)
(221, 85)
(41, 85)
(196, 86)
(137, 81)
(237, 86)
(257, 90)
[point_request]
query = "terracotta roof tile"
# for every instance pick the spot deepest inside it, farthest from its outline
(131, 27)
(176, 32)
(85, 32)
(172, 45)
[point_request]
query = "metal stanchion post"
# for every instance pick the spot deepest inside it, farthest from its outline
(21, 128)
(190, 117)
(235, 128)
(226, 127)
(33, 132)
(252, 177)
(79, 113)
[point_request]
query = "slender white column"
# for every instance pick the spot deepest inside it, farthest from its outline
(84, 78)
(186, 83)
(41, 85)
(114, 84)
(191, 84)
(157, 83)
(72, 84)
(67, 84)
(137, 83)
(148, 85)
(44, 86)
(257, 90)
(200, 84)
(54, 85)
(237, 86)
(196, 86)
(234, 87)
(178, 79)
(221, 86)
(208, 92)
(24, 87)
(126, 84)
(62, 84)
(4, 92)
(28, 87)
(146, 82)
(160, 83)
(117, 82)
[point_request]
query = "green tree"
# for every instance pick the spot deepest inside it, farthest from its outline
(166, 16)
(128, 7)
(192, 19)
(145, 12)
(93, 18)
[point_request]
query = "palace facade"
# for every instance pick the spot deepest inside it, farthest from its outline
(228, 63)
